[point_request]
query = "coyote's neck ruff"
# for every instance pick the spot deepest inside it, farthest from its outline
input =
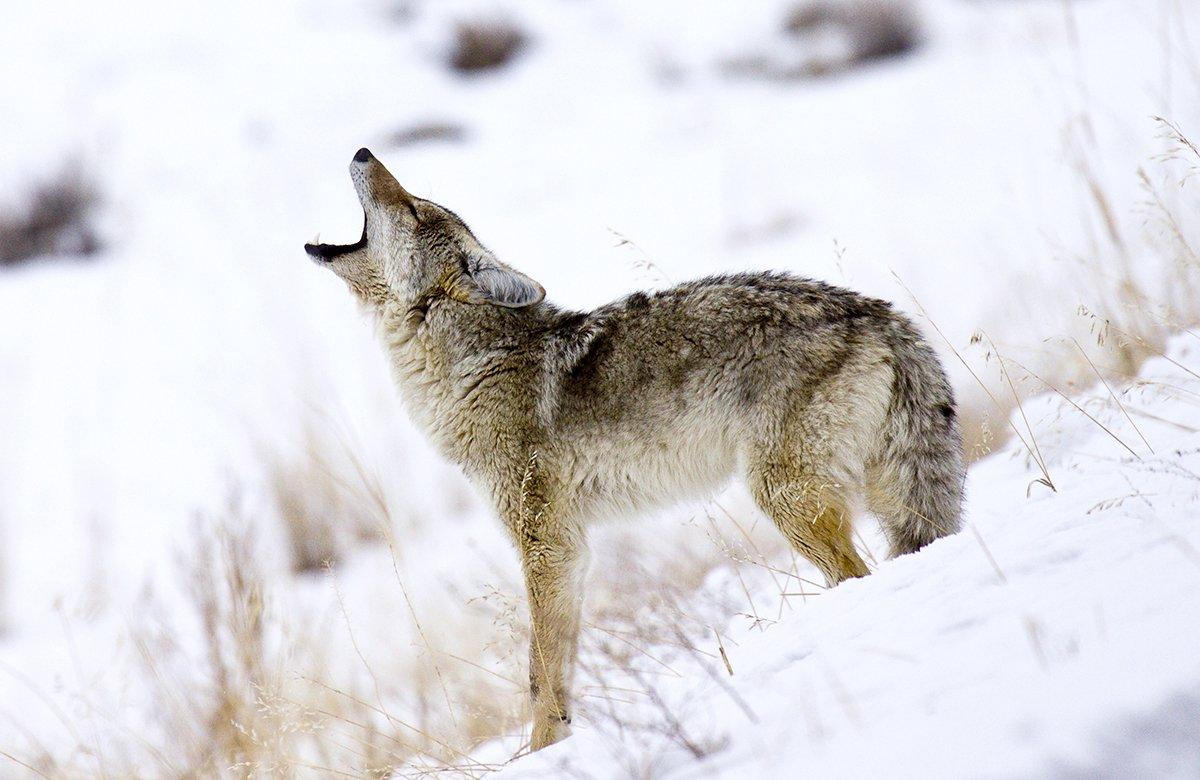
(819, 398)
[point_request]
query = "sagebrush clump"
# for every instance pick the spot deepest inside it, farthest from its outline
(55, 219)
(485, 44)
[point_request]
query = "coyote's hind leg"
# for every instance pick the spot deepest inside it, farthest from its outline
(812, 513)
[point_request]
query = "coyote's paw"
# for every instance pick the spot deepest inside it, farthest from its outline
(548, 730)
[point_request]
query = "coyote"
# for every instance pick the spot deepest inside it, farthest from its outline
(816, 396)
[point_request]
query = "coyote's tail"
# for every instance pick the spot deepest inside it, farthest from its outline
(916, 479)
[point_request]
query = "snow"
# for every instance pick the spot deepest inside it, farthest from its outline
(153, 391)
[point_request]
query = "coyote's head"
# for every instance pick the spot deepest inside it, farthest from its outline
(411, 248)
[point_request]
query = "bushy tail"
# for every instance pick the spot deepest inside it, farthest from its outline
(915, 481)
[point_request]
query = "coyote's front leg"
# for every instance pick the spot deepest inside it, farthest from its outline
(554, 559)
(554, 565)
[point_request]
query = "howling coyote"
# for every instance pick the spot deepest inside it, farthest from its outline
(816, 396)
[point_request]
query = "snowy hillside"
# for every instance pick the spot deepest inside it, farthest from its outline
(1055, 637)
(225, 551)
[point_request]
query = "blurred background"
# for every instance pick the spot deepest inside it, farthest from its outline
(222, 547)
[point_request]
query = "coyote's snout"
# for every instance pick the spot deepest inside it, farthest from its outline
(819, 398)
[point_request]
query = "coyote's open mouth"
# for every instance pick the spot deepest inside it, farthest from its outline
(327, 252)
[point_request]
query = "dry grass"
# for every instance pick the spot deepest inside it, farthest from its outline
(629, 647)
(264, 694)
(1139, 285)
(223, 707)
(228, 594)
(655, 605)
(249, 670)
(325, 498)
(1145, 282)
(481, 45)
(1143, 273)
(55, 219)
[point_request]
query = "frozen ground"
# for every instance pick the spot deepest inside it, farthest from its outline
(162, 387)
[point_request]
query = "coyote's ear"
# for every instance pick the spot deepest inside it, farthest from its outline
(490, 281)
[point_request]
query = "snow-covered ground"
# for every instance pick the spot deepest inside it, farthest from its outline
(168, 385)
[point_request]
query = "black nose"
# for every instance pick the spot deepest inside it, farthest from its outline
(362, 155)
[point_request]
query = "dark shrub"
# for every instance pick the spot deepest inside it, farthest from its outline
(877, 29)
(485, 44)
(831, 36)
(55, 220)
(428, 132)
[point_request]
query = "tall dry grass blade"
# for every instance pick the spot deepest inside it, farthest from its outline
(1174, 325)
(354, 643)
(674, 729)
(741, 581)
(1082, 411)
(724, 655)
(791, 574)
(480, 667)
(1112, 395)
(721, 683)
(413, 749)
(1147, 345)
(378, 710)
(28, 766)
(1182, 144)
(1167, 217)
(653, 272)
(1041, 461)
(631, 644)
(1156, 418)
(987, 552)
(424, 639)
(73, 650)
(59, 714)
(745, 535)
